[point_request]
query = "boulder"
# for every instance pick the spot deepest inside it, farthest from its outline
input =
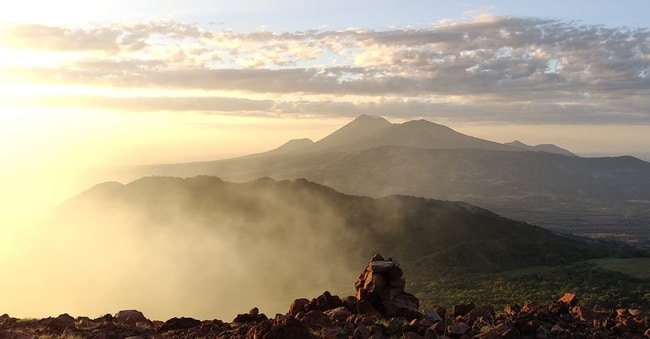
(511, 309)
(280, 327)
(298, 305)
(457, 328)
(85, 323)
(324, 302)
(339, 314)
(583, 313)
(315, 319)
(530, 307)
(179, 324)
(431, 314)
(569, 299)
(60, 323)
(252, 316)
(130, 317)
(462, 309)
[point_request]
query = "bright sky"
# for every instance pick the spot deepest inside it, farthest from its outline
(148, 81)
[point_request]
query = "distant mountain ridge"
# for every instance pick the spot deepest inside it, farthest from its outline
(550, 148)
(370, 156)
(424, 231)
(368, 131)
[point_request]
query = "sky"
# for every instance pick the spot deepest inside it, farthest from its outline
(90, 85)
(157, 82)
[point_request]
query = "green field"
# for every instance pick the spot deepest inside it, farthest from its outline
(636, 267)
(608, 282)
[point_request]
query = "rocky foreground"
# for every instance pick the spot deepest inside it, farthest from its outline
(380, 309)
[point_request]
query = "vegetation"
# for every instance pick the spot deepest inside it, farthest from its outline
(592, 284)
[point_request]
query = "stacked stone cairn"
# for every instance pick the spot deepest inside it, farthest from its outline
(380, 290)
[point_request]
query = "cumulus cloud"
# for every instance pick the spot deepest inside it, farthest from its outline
(526, 69)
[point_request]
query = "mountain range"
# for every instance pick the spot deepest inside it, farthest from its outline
(216, 247)
(542, 184)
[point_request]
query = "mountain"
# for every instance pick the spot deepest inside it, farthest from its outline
(542, 184)
(550, 148)
(216, 247)
(298, 213)
(367, 131)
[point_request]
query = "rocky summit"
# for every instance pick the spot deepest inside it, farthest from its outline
(380, 309)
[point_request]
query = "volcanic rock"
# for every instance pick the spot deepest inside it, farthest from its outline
(179, 324)
(130, 317)
(569, 299)
(380, 290)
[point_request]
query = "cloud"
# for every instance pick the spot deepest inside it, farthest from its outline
(553, 69)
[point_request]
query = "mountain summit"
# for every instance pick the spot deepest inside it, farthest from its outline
(369, 131)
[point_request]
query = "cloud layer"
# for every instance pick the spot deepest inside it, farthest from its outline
(493, 68)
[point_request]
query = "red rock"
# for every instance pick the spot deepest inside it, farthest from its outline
(412, 335)
(511, 309)
(583, 313)
(381, 266)
(395, 273)
(375, 283)
(569, 299)
(250, 318)
(500, 331)
(180, 324)
(315, 319)
(361, 332)
(6, 321)
(438, 328)
(457, 328)
(556, 329)
(298, 305)
(84, 323)
(619, 329)
(635, 312)
(130, 317)
(362, 319)
(324, 302)
(339, 314)
(287, 327)
(391, 293)
(432, 314)
(441, 311)
(99, 335)
(401, 282)
(60, 323)
(424, 323)
(462, 309)
(329, 333)
(482, 313)
(530, 307)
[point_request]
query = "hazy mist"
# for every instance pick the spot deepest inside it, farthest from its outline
(97, 256)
